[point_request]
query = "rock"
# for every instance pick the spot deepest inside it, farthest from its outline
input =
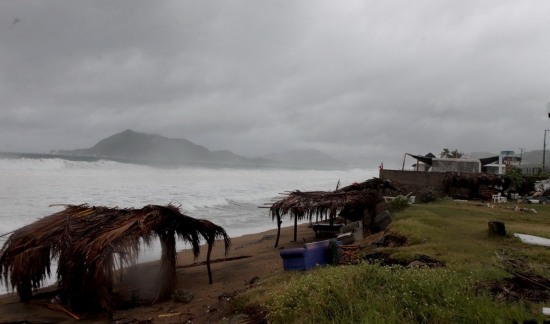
(416, 264)
(239, 318)
(182, 296)
(226, 296)
(391, 240)
(254, 280)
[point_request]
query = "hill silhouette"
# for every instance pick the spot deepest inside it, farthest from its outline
(134, 146)
(131, 145)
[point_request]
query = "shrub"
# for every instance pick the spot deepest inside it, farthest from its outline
(399, 203)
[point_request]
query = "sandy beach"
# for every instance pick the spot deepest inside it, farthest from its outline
(251, 258)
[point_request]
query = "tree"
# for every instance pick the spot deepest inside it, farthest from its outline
(515, 176)
(454, 154)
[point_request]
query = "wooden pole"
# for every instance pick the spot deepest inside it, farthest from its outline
(210, 244)
(278, 230)
(167, 275)
(24, 289)
(295, 228)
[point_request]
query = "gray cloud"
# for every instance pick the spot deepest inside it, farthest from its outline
(363, 79)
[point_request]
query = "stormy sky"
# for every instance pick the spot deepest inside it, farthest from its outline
(359, 80)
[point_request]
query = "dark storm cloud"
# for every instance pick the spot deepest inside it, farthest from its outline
(363, 79)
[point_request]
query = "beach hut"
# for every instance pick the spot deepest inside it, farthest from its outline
(474, 185)
(352, 202)
(90, 243)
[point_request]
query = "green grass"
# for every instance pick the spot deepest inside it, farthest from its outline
(453, 232)
(372, 294)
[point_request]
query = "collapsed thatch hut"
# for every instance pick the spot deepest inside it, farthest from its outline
(474, 185)
(353, 202)
(91, 242)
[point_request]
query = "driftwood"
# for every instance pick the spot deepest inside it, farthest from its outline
(349, 254)
(59, 308)
(196, 264)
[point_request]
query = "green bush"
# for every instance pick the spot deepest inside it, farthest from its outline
(515, 176)
(399, 203)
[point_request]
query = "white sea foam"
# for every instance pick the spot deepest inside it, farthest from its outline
(227, 197)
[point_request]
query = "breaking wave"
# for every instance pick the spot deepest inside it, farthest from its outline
(227, 197)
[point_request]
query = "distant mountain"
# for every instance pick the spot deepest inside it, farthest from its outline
(141, 147)
(131, 146)
(305, 158)
(534, 157)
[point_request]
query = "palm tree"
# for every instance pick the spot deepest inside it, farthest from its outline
(455, 154)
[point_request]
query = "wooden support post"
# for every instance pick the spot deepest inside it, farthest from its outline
(295, 228)
(278, 230)
(210, 244)
(167, 275)
(24, 289)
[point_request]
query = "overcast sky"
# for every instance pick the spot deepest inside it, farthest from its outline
(355, 79)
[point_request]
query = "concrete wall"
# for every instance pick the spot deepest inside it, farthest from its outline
(418, 182)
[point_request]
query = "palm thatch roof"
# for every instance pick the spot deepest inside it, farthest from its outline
(344, 201)
(381, 185)
(90, 242)
(303, 205)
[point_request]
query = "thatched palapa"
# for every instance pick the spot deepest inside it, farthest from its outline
(473, 184)
(350, 202)
(90, 243)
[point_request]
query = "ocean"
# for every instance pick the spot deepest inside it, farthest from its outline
(33, 188)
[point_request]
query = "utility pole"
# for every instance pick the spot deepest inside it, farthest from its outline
(544, 151)
(544, 148)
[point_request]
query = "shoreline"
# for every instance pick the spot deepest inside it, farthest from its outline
(251, 258)
(152, 254)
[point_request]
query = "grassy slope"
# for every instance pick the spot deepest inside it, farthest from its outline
(453, 232)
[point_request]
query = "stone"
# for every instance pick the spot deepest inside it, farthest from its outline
(182, 296)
